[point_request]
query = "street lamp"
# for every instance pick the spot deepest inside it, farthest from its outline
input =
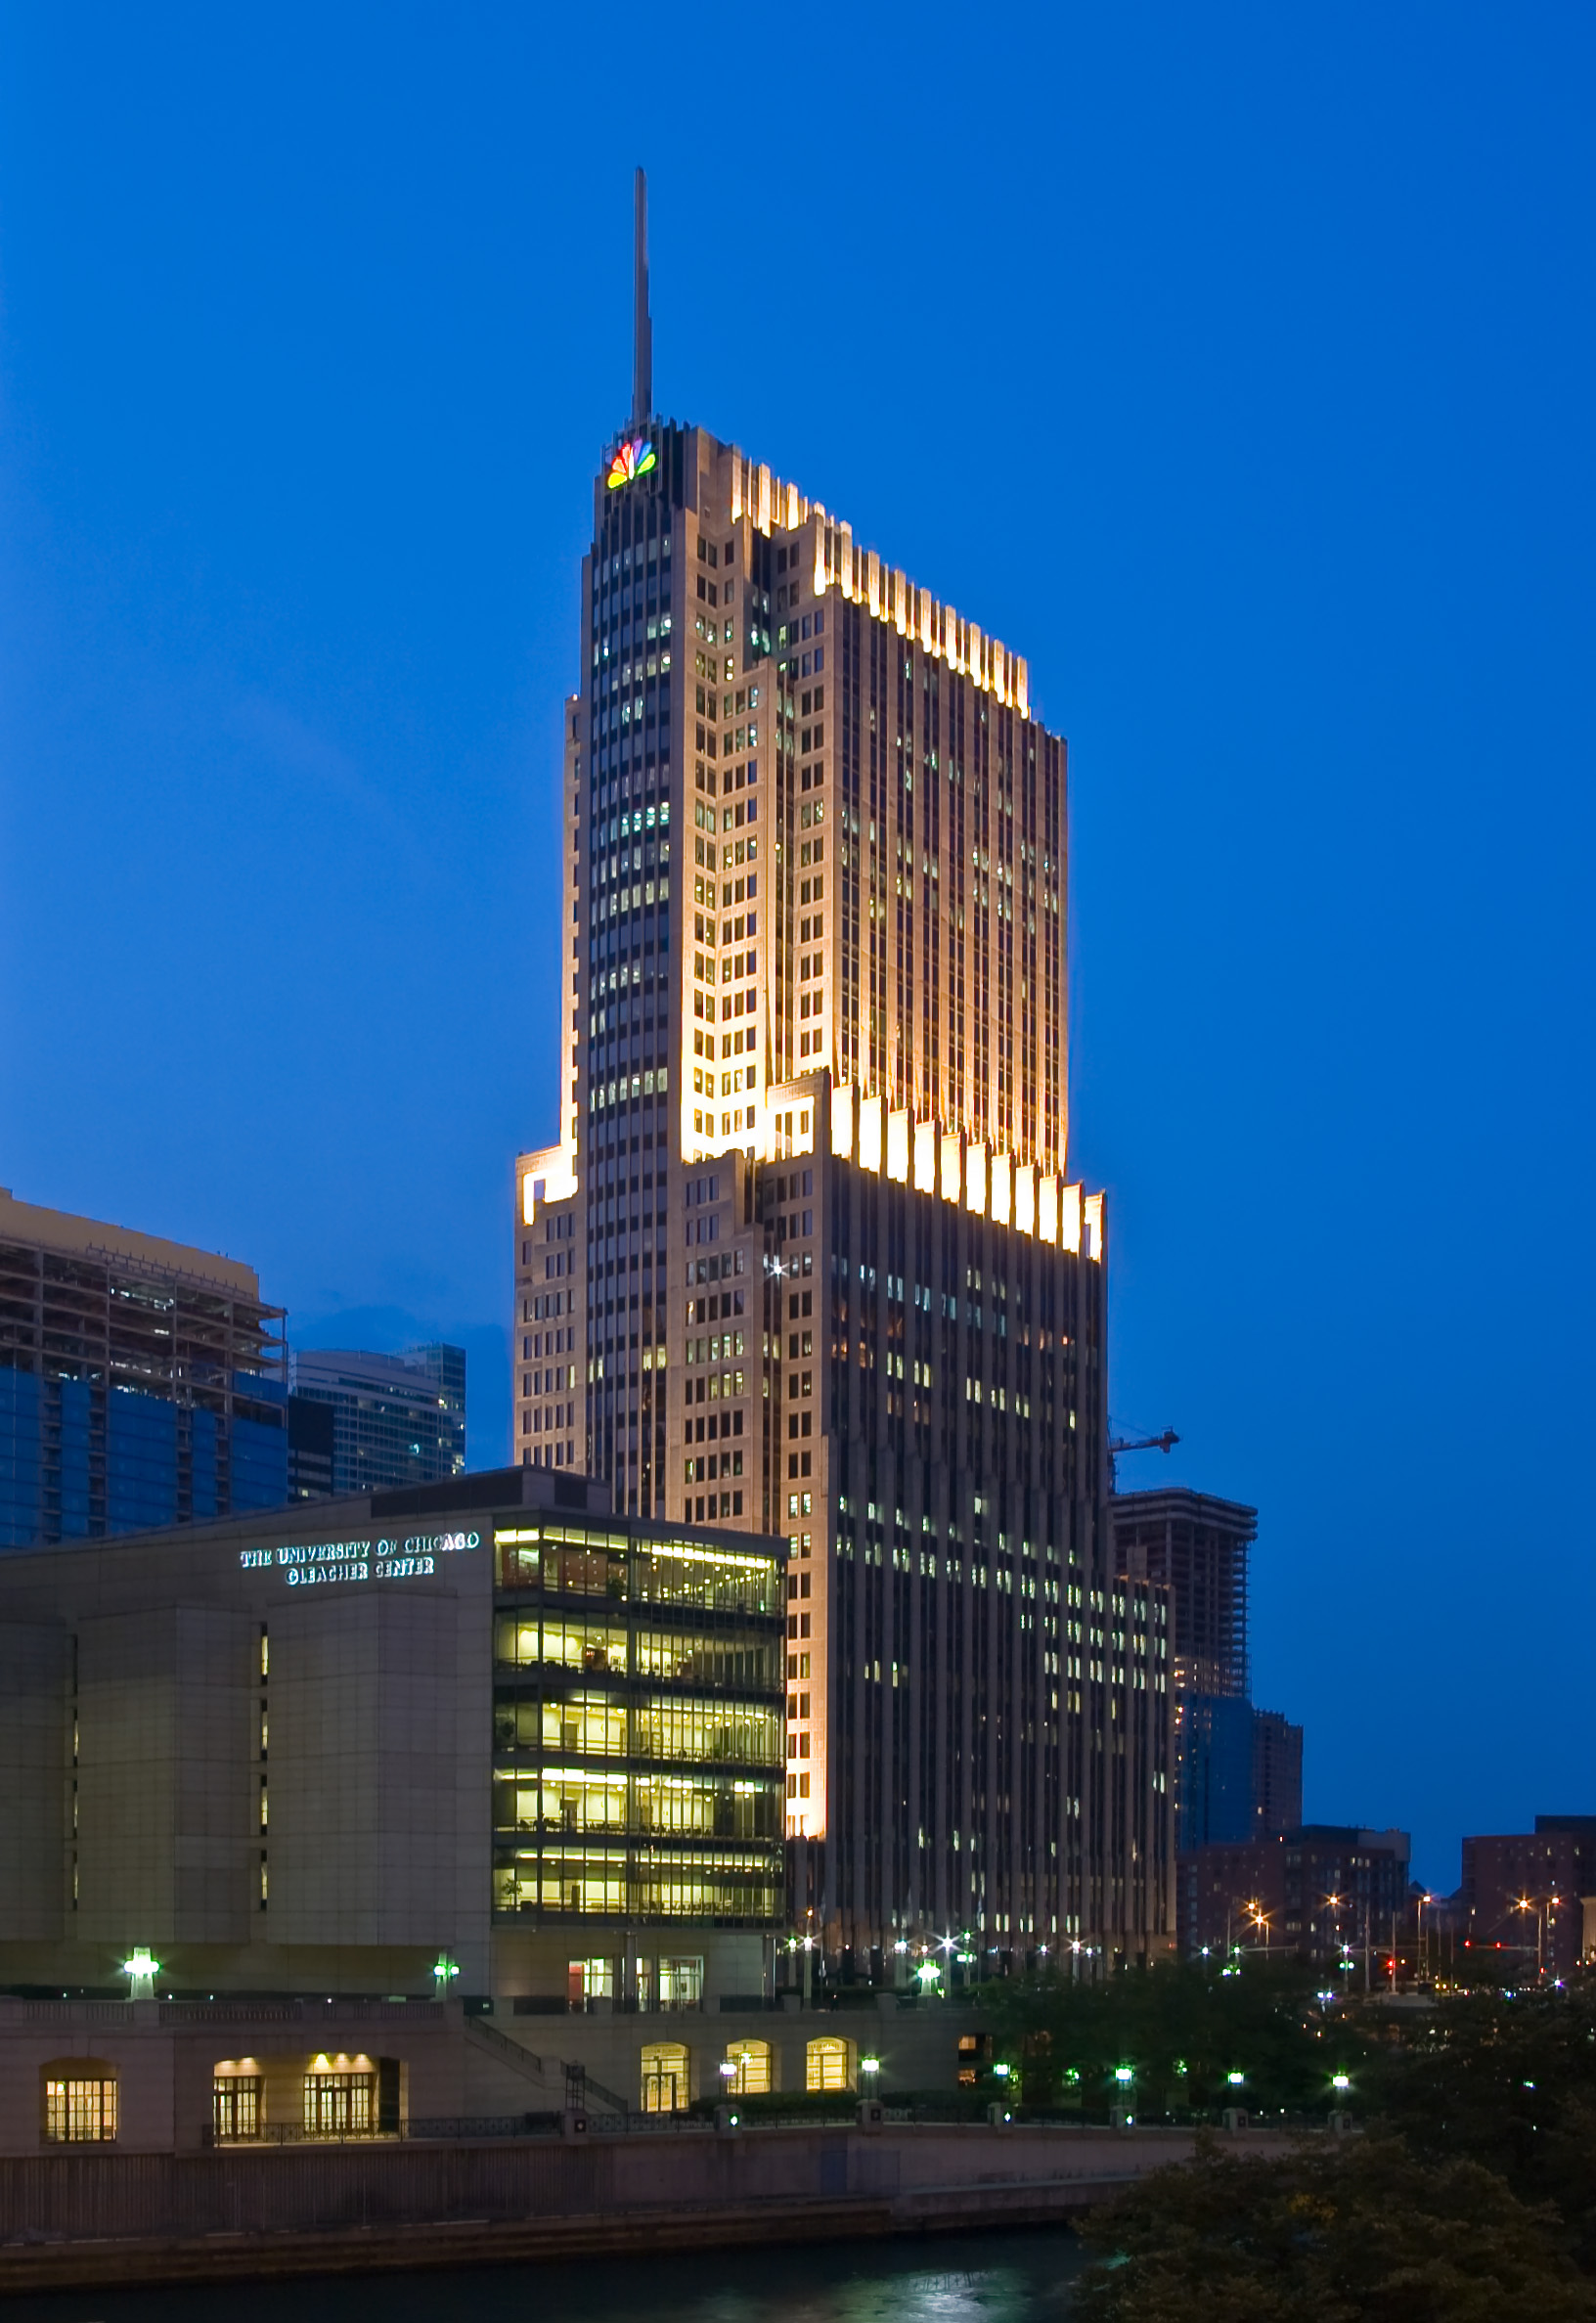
(141, 1968)
(1539, 1905)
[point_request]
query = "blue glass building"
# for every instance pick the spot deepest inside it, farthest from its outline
(395, 1419)
(141, 1382)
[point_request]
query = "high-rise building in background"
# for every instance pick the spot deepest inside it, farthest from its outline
(806, 1257)
(1212, 1769)
(311, 1442)
(141, 1381)
(396, 1420)
(1198, 1546)
(1238, 1772)
(1277, 1774)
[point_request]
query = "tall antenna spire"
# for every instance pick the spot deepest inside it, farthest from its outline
(642, 330)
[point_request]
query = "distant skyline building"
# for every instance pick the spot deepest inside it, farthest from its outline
(141, 1381)
(1214, 1770)
(396, 1420)
(1238, 1770)
(1529, 1892)
(806, 1257)
(311, 1438)
(1331, 1893)
(1197, 1545)
(1277, 1774)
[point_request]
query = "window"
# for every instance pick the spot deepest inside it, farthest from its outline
(341, 2097)
(664, 2066)
(79, 2104)
(235, 2100)
(750, 2073)
(828, 2064)
(682, 1983)
(587, 1981)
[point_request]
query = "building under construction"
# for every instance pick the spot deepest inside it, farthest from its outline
(1238, 1770)
(141, 1382)
(1197, 1546)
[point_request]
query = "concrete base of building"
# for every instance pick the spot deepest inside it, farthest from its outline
(80, 2220)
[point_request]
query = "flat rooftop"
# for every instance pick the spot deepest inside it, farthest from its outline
(97, 1237)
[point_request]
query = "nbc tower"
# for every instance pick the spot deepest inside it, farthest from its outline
(807, 1258)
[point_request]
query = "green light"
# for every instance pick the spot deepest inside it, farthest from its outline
(1235, 2080)
(443, 1967)
(1124, 2073)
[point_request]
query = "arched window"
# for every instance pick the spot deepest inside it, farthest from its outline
(80, 2102)
(828, 2064)
(750, 2063)
(235, 2099)
(665, 2077)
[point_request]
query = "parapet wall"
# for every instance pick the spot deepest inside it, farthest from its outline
(110, 2219)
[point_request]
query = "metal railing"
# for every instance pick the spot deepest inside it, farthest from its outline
(422, 2129)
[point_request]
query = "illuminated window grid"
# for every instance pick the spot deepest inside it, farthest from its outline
(79, 2110)
(617, 1764)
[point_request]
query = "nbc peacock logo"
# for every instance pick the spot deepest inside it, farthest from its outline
(632, 461)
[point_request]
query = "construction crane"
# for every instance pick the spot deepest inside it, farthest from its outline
(1118, 1444)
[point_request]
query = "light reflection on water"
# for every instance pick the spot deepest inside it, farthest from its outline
(996, 2278)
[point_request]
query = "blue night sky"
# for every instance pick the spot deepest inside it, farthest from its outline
(1234, 365)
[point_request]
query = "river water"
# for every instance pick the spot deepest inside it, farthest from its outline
(996, 2278)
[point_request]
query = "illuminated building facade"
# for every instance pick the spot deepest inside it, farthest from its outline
(806, 1257)
(310, 1750)
(141, 1381)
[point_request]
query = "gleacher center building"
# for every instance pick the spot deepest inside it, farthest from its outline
(484, 1731)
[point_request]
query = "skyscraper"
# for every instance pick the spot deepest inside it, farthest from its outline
(806, 1257)
(1197, 1546)
(1277, 1774)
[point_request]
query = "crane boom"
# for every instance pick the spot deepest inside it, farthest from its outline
(1165, 1443)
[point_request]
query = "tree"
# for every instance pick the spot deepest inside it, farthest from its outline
(1508, 2082)
(1182, 2030)
(1331, 2230)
